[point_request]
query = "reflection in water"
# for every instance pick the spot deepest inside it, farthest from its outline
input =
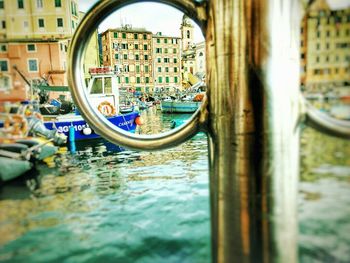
(107, 204)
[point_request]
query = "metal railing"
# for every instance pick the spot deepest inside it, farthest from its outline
(251, 115)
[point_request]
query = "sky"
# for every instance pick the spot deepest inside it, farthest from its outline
(154, 17)
(157, 17)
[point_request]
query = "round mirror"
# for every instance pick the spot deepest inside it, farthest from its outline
(142, 71)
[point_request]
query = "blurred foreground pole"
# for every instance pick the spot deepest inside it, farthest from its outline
(253, 78)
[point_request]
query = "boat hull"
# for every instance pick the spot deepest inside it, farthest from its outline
(179, 106)
(125, 122)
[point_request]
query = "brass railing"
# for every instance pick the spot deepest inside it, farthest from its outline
(251, 115)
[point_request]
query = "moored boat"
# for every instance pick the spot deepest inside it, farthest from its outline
(173, 106)
(103, 94)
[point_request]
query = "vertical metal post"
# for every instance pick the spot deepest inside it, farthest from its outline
(253, 79)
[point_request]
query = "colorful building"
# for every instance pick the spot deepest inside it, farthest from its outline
(193, 55)
(34, 38)
(129, 51)
(166, 62)
(325, 48)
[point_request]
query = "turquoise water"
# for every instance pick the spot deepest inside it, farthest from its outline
(107, 205)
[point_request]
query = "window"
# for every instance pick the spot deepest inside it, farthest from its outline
(32, 65)
(116, 56)
(175, 69)
(167, 79)
(328, 33)
(158, 40)
(58, 3)
(175, 79)
(146, 68)
(166, 69)
(318, 46)
(1, 4)
(115, 35)
(41, 22)
(3, 48)
(20, 4)
(96, 86)
(126, 79)
(74, 9)
(158, 50)
(25, 24)
(138, 68)
(59, 22)
(31, 47)
(166, 60)
(144, 36)
(160, 80)
(125, 56)
(4, 66)
(135, 36)
(165, 50)
(159, 69)
(39, 3)
(146, 57)
(317, 59)
(147, 79)
(124, 35)
(165, 40)
(3, 24)
(124, 46)
(138, 80)
(159, 60)
(174, 50)
(145, 47)
(175, 60)
(188, 34)
(126, 68)
(137, 57)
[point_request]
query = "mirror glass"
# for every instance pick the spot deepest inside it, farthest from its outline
(147, 60)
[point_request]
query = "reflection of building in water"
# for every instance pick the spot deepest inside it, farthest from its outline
(325, 47)
(167, 62)
(34, 37)
(193, 55)
(129, 51)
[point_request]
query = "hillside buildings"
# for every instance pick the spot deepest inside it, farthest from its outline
(325, 48)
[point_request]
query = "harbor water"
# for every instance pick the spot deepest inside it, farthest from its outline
(108, 204)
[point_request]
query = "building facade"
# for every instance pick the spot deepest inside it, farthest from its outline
(129, 51)
(325, 48)
(34, 37)
(193, 55)
(38, 19)
(167, 62)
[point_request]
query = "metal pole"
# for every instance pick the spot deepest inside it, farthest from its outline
(253, 79)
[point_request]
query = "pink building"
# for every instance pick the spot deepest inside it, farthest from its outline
(36, 61)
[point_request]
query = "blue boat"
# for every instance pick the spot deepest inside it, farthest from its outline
(82, 131)
(103, 93)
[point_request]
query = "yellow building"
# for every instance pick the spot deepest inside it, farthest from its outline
(33, 19)
(325, 48)
(167, 62)
(34, 37)
(129, 51)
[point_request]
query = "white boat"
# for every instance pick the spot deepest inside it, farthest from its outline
(103, 93)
